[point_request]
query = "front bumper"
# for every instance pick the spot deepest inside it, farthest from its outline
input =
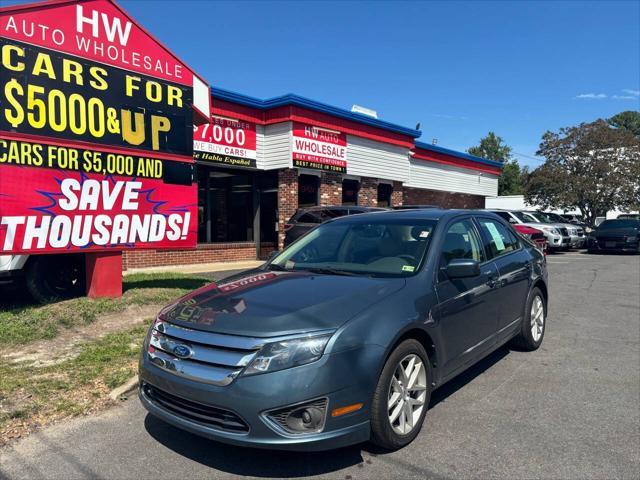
(613, 245)
(10, 276)
(558, 241)
(577, 241)
(341, 377)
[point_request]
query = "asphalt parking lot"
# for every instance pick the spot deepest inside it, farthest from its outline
(569, 410)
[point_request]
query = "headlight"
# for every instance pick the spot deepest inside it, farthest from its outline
(288, 353)
(550, 230)
(588, 229)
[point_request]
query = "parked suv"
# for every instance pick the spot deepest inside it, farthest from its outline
(343, 336)
(306, 219)
(557, 237)
(576, 233)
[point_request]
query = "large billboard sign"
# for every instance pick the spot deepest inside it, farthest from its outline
(227, 141)
(96, 132)
(319, 148)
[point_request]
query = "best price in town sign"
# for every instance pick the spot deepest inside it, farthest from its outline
(96, 132)
(319, 148)
(227, 141)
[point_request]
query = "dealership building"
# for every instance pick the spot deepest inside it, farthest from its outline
(258, 161)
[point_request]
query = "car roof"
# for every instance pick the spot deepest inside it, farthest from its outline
(417, 214)
(340, 207)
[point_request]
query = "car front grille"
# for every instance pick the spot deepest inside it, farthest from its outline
(612, 241)
(196, 412)
(201, 356)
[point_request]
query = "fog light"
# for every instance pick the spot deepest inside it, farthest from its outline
(302, 418)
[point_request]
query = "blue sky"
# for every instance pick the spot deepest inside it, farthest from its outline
(459, 68)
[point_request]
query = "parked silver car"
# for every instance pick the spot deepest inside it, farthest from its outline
(557, 237)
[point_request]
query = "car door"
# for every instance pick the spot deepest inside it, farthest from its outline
(467, 307)
(514, 268)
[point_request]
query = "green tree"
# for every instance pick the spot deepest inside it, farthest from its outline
(592, 167)
(629, 120)
(492, 148)
(512, 179)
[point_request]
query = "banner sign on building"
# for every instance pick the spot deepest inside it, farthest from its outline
(226, 141)
(96, 125)
(319, 148)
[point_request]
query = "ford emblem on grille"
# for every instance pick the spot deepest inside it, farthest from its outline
(182, 351)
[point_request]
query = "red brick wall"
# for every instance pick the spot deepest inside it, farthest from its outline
(287, 200)
(205, 253)
(368, 194)
(330, 189)
(419, 196)
(397, 196)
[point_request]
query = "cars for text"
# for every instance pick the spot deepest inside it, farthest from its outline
(343, 336)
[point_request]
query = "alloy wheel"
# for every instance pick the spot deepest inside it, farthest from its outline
(537, 319)
(407, 394)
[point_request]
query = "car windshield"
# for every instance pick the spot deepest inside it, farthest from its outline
(360, 246)
(525, 217)
(619, 224)
(540, 217)
(554, 217)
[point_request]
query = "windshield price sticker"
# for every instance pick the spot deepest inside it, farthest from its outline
(495, 235)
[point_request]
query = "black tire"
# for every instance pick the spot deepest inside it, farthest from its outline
(51, 278)
(524, 340)
(382, 434)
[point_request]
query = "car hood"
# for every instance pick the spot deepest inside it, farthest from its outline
(616, 232)
(539, 225)
(271, 303)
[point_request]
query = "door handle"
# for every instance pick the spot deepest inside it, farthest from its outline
(527, 266)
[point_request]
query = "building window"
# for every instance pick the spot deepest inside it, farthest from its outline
(225, 205)
(384, 194)
(308, 186)
(350, 192)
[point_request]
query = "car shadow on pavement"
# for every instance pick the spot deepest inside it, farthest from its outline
(283, 464)
(250, 461)
(456, 383)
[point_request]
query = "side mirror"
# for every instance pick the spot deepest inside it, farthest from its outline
(462, 268)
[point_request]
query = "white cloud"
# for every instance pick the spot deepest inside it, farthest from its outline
(624, 97)
(632, 93)
(592, 96)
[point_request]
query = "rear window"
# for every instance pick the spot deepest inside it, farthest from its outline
(309, 217)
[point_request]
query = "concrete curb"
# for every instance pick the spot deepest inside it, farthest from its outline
(125, 389)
